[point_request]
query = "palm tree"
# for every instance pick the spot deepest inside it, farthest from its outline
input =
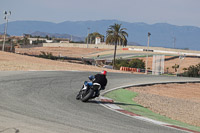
(175, 67)
(117, 36)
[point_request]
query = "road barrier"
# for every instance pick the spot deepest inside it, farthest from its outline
(183, 52)
(125, 48)
(130, 69)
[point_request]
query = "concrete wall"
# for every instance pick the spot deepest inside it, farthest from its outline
(104, 46)
(101, 46)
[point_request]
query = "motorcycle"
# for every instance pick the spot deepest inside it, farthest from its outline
(88, 91)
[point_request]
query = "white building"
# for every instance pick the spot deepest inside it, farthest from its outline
(40, 39)
(97, 40)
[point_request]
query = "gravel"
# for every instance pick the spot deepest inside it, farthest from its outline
(177, 101)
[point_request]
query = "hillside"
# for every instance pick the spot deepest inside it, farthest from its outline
(162, 34)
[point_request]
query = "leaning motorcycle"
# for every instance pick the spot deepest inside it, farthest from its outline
(88, 91)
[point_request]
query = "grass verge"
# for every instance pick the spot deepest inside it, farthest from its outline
(125, 97)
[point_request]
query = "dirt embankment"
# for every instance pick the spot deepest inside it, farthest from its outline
(183, 63)
(177, 101)
(16, 62)
(59, 51)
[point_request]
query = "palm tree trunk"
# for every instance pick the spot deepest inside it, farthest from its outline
(114, 55)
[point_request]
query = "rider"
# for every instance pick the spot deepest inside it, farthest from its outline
(101, 79)
(98, 78)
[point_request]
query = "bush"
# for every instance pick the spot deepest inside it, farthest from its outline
(47, 55)
(121, 62)
(137, 63)
(134, 63)
(192, 71)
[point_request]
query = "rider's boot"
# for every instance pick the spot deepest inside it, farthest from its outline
(97, 93)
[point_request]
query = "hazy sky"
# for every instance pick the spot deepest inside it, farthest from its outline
(177, 12)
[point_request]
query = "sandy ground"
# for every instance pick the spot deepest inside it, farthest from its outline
(16, 62)
(177, 101)
(60, 51)
(183, 63)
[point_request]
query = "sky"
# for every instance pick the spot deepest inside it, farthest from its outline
(176, 12)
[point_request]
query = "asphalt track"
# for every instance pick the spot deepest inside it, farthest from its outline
(125, 55)
(44, 102)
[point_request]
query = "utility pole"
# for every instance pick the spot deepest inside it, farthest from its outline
(6, 25)
(149, 34)
(181, 58)
(174, 42)
(88, 36)
(71, 38)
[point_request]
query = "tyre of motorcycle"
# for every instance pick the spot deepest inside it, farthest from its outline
(86, 94)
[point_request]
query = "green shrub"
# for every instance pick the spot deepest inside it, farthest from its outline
(192, 71)
(137, 63)
(134, 63)
(47, 55)
(121, 62)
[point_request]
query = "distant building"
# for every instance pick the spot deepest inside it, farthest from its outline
(97, 40)
(64, 41)
(49, 41)
(31, 40)
(27, 35)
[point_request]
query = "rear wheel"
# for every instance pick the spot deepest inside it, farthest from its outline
(86, 95)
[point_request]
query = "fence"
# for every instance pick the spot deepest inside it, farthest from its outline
(8, 49)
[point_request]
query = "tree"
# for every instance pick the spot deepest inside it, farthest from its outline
(175, 67)
(92, 36)
(167, 69)
(117, 36)
(26, 40)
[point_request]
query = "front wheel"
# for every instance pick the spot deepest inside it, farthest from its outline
(78, 96)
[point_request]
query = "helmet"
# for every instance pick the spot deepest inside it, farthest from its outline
(104, 72)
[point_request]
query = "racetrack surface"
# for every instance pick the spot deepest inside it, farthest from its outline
(44, 102)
